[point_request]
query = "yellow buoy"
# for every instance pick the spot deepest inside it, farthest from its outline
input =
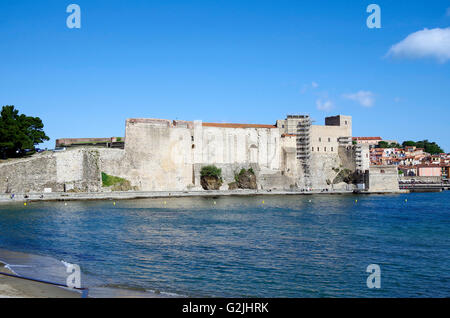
(214, 202)
(25, 203)
(406, 200)
(356, 201)
(263, 202)
(114, 203)
(165, 202)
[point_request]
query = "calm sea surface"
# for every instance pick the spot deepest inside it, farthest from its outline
(290, 246)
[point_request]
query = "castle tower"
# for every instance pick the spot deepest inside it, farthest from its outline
(303, 144)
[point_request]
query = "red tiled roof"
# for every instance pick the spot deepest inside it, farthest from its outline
(174, 123)
(367, 138)
(288, 135)
(226, 125)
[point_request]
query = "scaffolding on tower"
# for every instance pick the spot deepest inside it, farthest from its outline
(304, 144)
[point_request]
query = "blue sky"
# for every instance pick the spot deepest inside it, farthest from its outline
(228, 61)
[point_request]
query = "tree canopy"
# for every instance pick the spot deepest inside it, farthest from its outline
(385, 144)
(211, 171)
(430, 147)
(408, 143)
(19, 133)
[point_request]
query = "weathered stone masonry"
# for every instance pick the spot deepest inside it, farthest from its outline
(165, 155)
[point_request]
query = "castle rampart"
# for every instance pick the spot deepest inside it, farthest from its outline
(168, 155)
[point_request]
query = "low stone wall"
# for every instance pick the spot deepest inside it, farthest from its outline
(29, 175)
(420, 179)
(71, 170)
(382, 179)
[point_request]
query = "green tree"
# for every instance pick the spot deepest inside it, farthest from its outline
(19, 133)
(394, 145)
(430, 147)
(383, 144)
(409, 143)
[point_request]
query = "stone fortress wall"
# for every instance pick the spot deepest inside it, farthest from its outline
(60, 171)
(169, 155)
(166, 155)
(382, 179)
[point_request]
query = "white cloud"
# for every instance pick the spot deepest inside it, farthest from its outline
(364, 98)
(397, 99)
(434, 43)
(325, 105)
(306, 87)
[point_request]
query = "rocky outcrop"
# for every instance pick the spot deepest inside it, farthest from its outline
(246, 179)
(123, 186)
(210, 183)
(347, 176)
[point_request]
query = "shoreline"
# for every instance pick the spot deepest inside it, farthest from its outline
(131, 195)
(12, 287)
(17, 287)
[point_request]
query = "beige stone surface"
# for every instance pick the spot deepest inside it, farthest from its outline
(165, 155)
(382, 179)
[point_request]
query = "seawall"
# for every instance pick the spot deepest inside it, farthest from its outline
(129, 195)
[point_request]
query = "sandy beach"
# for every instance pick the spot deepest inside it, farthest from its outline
(11, 287)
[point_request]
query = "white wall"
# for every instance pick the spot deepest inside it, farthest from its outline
(217, 145)
(159, 157)
(162, 155)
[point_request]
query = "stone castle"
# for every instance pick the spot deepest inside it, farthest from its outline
(168, 155)
(293, 153)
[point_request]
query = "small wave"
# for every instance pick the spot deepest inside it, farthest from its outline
(67, 264)
(157, 292)
(19, 265)
(12, 271)
(125, 287)
(139, 290)
(8, 267)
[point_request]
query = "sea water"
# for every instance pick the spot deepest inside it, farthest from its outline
(256, 246)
